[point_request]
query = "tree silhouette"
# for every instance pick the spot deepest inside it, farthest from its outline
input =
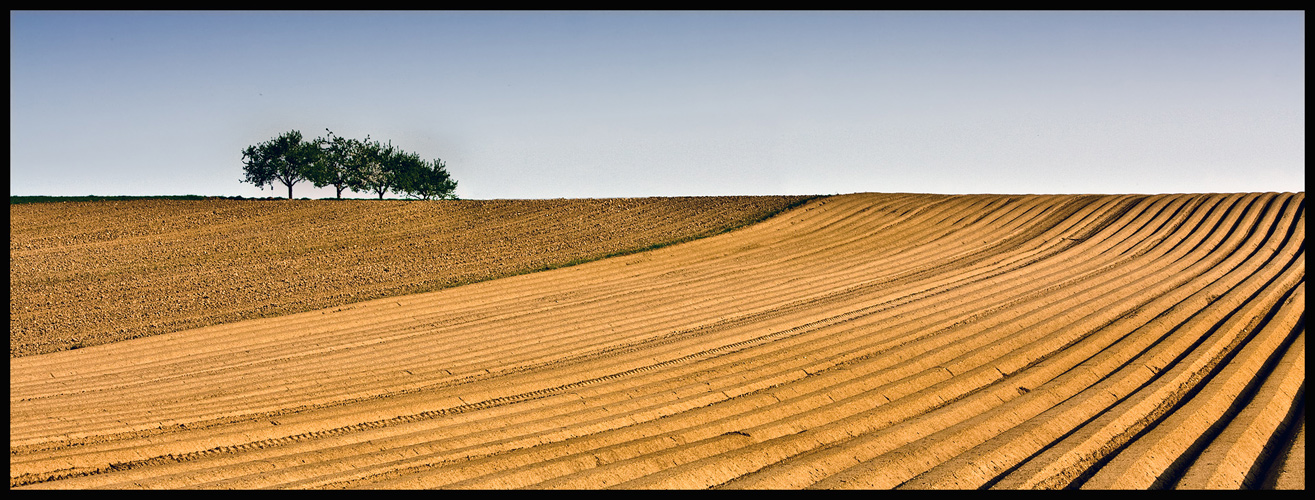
(285, 159)
(373, 167)
(332, 167)
(427, 179)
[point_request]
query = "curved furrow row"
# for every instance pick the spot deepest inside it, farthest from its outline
(934, 399)
(876, 341)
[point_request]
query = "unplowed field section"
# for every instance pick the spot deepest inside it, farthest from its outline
(84, 274)
(858, 341)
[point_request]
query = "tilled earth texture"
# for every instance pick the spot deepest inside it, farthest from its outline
(88, 273)
(857, 341)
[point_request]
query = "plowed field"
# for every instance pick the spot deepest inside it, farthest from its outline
(84, 274)
(857, 341)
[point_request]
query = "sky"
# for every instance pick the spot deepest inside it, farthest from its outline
(569, 104)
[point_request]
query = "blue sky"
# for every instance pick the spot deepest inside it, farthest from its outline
(620, 104)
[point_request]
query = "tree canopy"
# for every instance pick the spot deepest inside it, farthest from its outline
(331, 167)
(285, 159)
(373, 168)
(428, 180)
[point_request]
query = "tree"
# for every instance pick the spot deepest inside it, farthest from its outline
(427, 180)
(286, 159)
(373, 167)
(407, 169)
(333, 165)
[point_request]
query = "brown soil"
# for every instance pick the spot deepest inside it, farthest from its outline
(859, 341)
(89, 273)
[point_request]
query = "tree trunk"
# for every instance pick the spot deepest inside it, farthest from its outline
(289, 190)
(339, 192)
